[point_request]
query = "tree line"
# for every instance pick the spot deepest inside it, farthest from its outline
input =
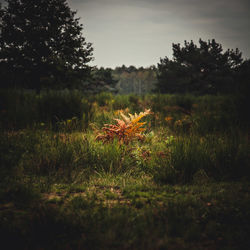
(42, 47)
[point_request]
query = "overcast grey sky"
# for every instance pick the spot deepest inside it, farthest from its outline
(139, 32)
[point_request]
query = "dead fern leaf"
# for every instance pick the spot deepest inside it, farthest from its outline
(125, 130)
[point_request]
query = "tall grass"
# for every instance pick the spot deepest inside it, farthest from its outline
(213, 157)
(209, 137)
(61, 157)
(23, 109)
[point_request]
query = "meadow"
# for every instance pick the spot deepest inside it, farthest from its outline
(178, 178)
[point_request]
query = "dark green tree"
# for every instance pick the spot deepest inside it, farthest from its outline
(199, 69)
(41, 45)
(102, 80)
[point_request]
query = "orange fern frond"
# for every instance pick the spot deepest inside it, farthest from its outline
(125, 130)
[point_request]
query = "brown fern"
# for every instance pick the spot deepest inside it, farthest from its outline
(125, 130)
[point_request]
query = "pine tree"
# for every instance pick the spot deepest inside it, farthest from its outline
(199, 69)
(41, 45)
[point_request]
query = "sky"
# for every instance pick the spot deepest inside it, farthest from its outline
(140, 32)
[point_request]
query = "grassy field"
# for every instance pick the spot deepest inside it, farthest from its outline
(182, 184)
